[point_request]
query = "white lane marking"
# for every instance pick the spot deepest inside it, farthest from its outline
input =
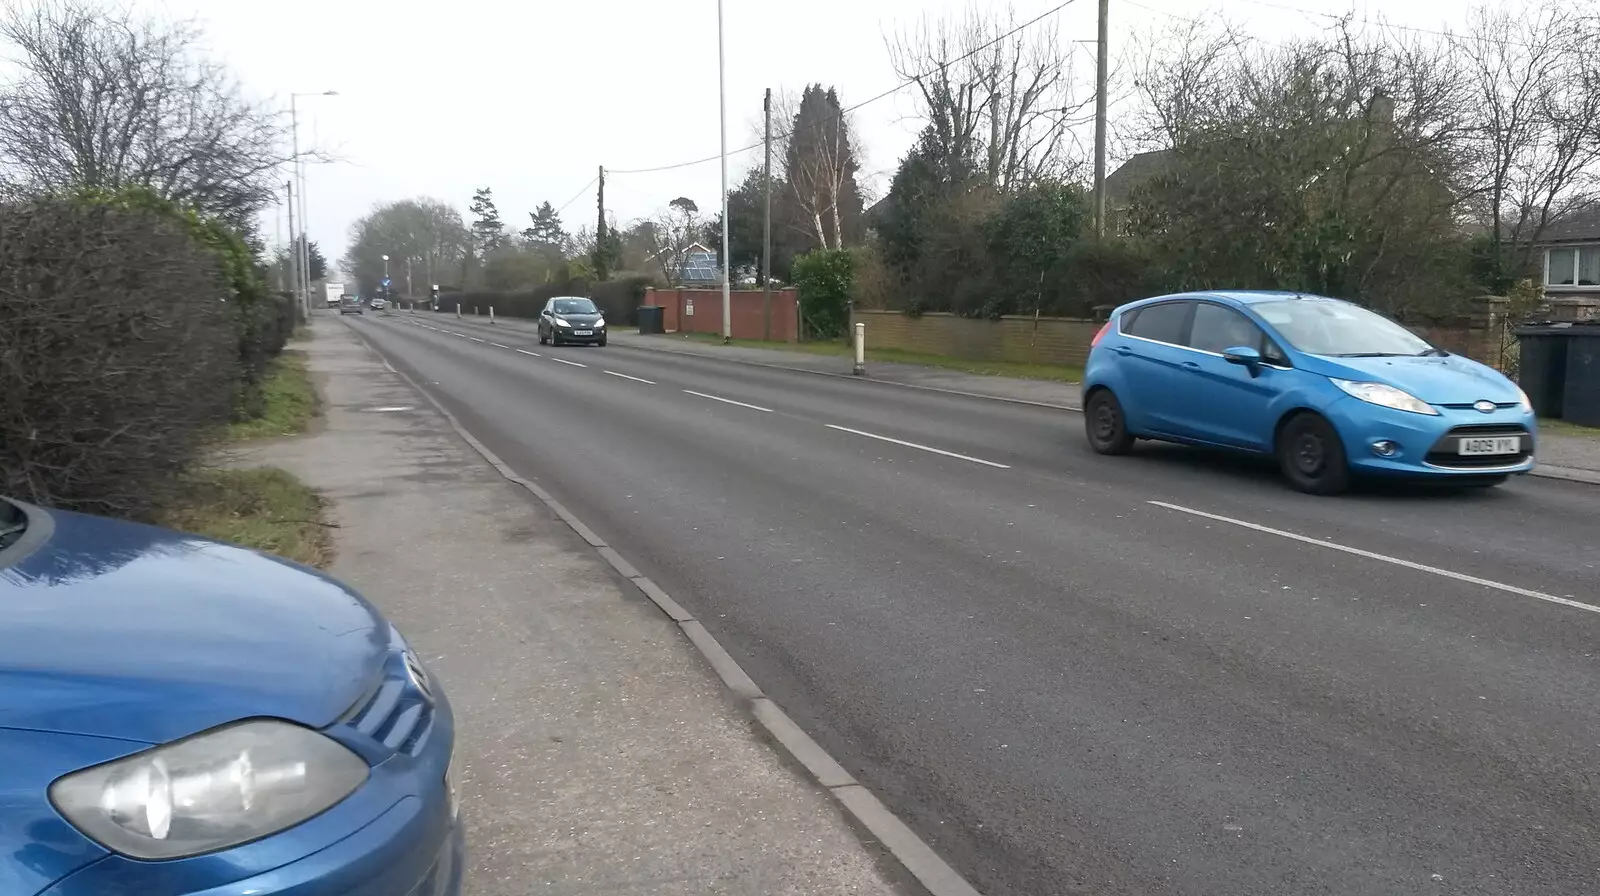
(634, 378)
(873, 435)
(498, 345)
(1408, 564)
(526, 352)
(476, 339)
(727, 401)
(565, 361)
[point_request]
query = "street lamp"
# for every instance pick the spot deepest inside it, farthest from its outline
(385, 267)
(303, 250)
(722, 115)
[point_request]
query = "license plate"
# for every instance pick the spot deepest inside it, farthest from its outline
(583, 332)
(1494, 445)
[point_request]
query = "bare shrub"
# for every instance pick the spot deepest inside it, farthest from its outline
(118, 356)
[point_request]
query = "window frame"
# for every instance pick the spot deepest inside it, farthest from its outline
(1282, 361)
(1183, 329)
(1578, 251)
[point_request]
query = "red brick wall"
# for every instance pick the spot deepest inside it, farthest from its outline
(749, 317)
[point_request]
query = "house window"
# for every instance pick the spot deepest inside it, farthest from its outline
(1573, 266)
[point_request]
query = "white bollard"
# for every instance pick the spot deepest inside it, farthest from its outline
(491, 314)
(861, 350)
(458, 309)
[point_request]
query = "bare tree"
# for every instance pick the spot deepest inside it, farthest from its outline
(817, 151)
(674, 233)
(427, 232)
(999, 101)
(1536, 89)
(102, 99)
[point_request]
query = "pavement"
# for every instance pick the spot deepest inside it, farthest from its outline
(1145, 676)
(1561, 455)
(598, 753)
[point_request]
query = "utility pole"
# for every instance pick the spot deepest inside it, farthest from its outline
(722, 121)
(304, 303)
(600, 229)
(1100, 77)
(408, 276)
(766, 222)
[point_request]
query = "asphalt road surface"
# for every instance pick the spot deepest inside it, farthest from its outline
(1161, 674)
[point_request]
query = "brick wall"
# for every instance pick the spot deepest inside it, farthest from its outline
(1049, 340)
(747, 305)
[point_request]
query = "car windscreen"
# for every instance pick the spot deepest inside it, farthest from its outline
(575, 306)
(1339, 329)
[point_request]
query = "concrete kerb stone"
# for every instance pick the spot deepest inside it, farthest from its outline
(915, 855)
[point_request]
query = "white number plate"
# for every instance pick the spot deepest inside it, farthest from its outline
(583, 332)
(1494, 445)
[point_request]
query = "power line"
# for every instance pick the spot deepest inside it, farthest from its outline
(1381, 24)
(884, 95)
(579, 194)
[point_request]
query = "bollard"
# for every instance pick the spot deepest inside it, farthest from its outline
(491, 314)
(474, 310)
(458, 309)
(861, 350)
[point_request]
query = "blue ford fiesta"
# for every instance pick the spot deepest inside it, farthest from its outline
(184, 717)
(1328, 388)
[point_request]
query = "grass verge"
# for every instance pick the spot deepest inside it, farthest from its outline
(264, 508)
(291, 401)
(1562, 427)
(1060, 373)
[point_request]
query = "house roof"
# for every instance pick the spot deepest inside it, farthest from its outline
(1138, 170)
(1577, 226)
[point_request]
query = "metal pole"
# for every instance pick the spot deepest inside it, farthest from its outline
(294, 258)
(861, 350)
(722, 114)
(297, 239)
(766, 223)
(1101, 75)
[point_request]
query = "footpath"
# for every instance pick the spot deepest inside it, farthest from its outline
(1562, 455)
(598, 753)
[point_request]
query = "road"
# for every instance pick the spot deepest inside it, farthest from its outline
(1162, 674)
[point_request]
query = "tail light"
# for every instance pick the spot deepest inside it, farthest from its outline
(1100, 335)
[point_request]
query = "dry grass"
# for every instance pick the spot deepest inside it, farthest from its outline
(291, 401)
(1015, 369)
(267, 509)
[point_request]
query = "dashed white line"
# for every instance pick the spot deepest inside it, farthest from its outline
(1370, 555)
(565, 361)
(526, 352)
(498, 345)
(634, 378)
(727, 401)
(476, 339)
(931, 450)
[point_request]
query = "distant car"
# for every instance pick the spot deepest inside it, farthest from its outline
(1328, 388)
(379, 304)
(350, 305)
(186, 717)
(571, 319)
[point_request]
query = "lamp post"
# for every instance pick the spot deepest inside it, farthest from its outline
(722, 115)
(303, 244)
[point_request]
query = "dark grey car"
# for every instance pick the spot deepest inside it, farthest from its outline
(571, 319)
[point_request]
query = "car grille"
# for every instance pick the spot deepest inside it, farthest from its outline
(1444, 452)
(396, 715)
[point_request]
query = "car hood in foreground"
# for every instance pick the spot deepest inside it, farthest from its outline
(1451, 379)
(113, 629)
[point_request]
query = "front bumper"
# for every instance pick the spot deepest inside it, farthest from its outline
(1426, 446)
(596, 335)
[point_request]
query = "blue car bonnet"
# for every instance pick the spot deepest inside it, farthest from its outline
(1451, 379)
(118, 630)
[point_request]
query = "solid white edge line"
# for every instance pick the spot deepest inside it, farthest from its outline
(498, 345)
(727, 401)
(634, 378)
(1408, 564)
(873, 435)
(565, 361)
(526, 352)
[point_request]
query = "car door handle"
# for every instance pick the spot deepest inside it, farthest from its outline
(1192, 365)
(1122, 350)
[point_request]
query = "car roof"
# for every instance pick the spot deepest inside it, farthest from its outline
(1234, 297)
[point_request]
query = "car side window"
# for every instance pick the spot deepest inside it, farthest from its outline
(1217, 329)
(1162, 323)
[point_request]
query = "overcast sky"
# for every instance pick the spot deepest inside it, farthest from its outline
(529, 98)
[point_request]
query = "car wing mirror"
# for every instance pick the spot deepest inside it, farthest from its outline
(1243, 355)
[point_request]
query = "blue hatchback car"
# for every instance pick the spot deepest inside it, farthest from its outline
(184, 718)
(1328, 388)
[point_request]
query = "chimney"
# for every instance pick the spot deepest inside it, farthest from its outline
(1381, 110)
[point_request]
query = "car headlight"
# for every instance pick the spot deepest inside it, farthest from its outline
(562, 322)
(599, 323)
(1524, 401)
(1385, 395)
(218, 789)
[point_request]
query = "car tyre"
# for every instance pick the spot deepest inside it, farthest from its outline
(543, 339)
(1311, 455)
(601, 343)
(1105, 424)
